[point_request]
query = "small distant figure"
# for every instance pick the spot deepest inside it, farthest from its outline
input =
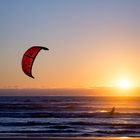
(112, 111)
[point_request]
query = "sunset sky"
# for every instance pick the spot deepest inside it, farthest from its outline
(92, 42)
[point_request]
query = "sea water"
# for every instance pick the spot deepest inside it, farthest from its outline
(71, 116)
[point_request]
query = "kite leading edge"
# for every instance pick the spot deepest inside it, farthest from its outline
(29, 57)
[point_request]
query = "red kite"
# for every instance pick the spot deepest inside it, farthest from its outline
(29, 57)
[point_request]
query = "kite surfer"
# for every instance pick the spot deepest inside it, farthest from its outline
(112, 111)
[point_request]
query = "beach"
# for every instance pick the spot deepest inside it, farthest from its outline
(73, 138)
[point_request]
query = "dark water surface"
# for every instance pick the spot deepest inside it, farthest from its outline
(69, 116)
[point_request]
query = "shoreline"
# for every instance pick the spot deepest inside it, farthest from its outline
(70, 138)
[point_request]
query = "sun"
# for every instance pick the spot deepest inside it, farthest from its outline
(124, 84)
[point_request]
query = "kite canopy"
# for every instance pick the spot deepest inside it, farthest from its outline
(29, 57)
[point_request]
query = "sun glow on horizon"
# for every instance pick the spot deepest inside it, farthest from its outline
(124, 84)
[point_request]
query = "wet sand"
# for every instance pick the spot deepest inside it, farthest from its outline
(69, 138)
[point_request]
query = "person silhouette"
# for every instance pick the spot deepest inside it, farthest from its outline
(112, 111)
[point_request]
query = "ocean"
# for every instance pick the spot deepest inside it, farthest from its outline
(69, 116)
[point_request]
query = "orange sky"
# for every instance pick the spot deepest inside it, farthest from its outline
(92, 43)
